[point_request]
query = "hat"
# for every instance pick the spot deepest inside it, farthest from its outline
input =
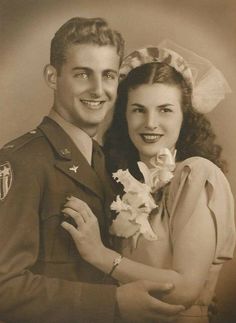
(206, 81)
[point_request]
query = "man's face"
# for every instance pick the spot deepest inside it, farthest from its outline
(87, 85)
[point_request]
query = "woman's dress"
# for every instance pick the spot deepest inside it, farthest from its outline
(177, 205)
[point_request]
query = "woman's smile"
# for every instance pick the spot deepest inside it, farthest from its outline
(150, 138)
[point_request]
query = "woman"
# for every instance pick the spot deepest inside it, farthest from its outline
(183, 229)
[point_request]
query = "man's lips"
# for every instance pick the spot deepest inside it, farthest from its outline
(93, 103)
(150, 137)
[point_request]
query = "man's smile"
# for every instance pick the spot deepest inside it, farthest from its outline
(94, 104)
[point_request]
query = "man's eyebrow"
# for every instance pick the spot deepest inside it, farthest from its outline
(111, 70)
(77, 68)
(158, 106)
(81, 68)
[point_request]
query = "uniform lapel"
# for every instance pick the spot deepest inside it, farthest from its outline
(69, 159)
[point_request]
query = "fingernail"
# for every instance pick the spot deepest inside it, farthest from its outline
(64, 214)
(169, 286)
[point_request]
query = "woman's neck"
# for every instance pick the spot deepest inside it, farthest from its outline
(146, 160)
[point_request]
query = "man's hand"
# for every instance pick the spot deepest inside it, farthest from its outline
(137, 305)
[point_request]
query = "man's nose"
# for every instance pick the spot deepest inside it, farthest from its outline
(97, 86)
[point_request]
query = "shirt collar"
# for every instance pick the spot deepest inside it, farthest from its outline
(80, 138)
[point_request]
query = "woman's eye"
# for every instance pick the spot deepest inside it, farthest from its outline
(165, 110)
(138, 110)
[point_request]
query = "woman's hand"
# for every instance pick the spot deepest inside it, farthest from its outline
(87, 234)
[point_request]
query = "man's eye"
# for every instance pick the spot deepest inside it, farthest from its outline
(82, 75)
(110, 76)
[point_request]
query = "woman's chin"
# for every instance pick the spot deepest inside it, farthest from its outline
(145, 158)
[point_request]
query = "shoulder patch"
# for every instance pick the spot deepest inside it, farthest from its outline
(6, 177)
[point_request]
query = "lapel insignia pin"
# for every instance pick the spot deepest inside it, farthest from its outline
(74, 168)
(65, 151)
(5, 179)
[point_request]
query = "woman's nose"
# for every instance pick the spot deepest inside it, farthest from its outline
(151, 121)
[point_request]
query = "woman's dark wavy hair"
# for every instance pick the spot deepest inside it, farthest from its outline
(196, 135)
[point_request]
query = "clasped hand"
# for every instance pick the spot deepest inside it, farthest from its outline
(87, 234)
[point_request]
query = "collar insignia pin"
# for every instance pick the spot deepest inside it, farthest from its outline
(74, 168)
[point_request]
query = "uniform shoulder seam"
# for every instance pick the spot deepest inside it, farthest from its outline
(21, 141)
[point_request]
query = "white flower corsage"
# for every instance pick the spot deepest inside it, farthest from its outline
(136, 204)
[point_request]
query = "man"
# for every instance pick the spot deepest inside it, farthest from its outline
(42, 276)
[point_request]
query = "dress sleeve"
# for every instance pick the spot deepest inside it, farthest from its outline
(191, 177)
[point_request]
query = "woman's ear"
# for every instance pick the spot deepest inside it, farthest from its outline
(50, 76)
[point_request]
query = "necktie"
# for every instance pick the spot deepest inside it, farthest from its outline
(98, 164)
(98, 161)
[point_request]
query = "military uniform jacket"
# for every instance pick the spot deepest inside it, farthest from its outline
(42, 276)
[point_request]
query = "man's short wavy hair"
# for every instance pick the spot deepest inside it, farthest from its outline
(79, 30)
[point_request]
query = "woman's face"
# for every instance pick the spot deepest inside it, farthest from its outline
(154, 116)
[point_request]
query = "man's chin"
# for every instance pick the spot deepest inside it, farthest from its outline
(91, 129)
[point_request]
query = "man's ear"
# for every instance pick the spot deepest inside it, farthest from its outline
(50, 76)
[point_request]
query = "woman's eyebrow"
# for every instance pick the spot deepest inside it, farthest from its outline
(138, 105)
(165, 105)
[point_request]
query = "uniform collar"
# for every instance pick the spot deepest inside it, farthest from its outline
(80, 138)
(60, 141)
(69, 159)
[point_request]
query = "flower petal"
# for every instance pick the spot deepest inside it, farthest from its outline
(122, 227)
(145, 228)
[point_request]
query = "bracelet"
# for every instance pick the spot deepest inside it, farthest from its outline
(115, 263)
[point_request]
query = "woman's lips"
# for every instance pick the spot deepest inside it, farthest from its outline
(150, 138)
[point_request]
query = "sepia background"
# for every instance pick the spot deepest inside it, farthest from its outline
(207, 27)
